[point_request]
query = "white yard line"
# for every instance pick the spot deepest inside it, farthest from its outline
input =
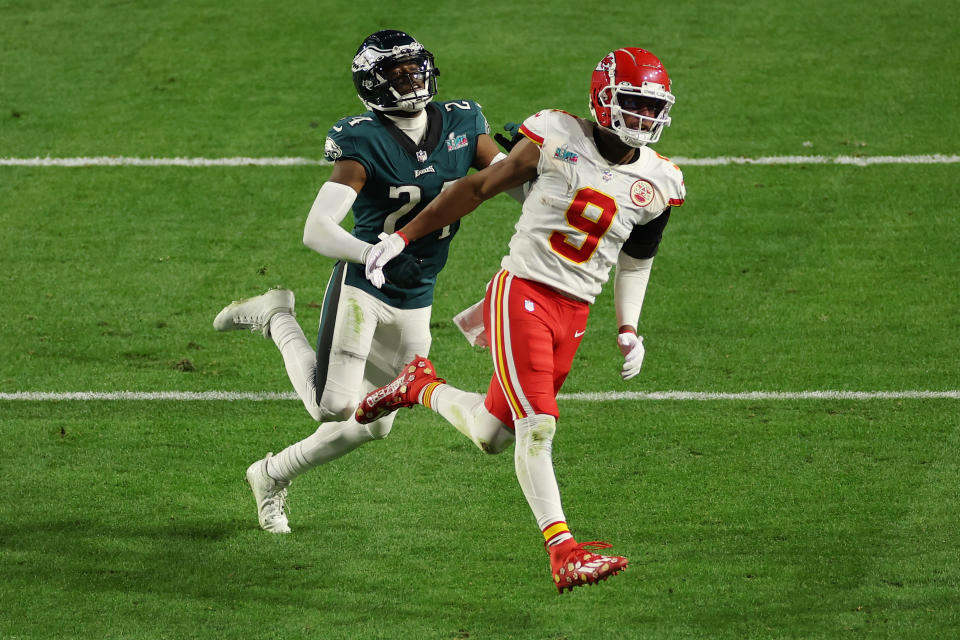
(608, 396)
(859, 161)
(126, 161)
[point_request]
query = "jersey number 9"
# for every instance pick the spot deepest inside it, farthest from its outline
(595, 228)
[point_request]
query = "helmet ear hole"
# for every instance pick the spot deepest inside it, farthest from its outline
(600, 105)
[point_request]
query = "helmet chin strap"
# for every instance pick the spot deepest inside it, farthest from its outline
(408, 103)
(414, 101)
(623, 135)
(410, 107)
(630, 141)
(636, 137)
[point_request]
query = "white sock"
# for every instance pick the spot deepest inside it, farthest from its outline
(468, 415)
(330, 441)
(299, 358)
(458, 407)
(533, 461)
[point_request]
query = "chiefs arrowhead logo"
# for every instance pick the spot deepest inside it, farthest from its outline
(641, 192)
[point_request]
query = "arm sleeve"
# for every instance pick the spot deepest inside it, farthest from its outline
(517, 193)
(645, 239)
(322, 231)
(630, 287)
(633, 269)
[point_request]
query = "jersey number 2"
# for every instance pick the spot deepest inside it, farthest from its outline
(595, 228)
(412, 193)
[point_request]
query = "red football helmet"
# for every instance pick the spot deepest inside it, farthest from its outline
(626, 77)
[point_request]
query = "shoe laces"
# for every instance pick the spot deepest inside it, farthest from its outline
(252, 320)
(577, 553)
(592, 546)
(276, 507)
(276, 499)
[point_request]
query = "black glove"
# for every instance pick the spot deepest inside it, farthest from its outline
(508, 143)
(403, 271)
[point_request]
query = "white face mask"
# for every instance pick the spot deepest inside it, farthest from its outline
(637, 136)
(421, 80)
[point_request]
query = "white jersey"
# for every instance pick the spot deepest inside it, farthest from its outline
(582, 208)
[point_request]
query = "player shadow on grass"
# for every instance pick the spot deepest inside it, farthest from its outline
(228, 561)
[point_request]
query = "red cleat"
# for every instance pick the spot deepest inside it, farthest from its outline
(402, 392)
(574, 565)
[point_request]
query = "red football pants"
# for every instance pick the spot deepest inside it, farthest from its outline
(534, 333)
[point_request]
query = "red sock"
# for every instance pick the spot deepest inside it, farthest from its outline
(558, 540)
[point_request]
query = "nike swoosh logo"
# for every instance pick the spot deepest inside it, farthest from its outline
(577, 334)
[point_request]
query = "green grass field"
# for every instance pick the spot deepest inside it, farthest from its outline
(745, 518)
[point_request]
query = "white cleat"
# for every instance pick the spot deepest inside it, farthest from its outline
(254, 313)
(271, 496)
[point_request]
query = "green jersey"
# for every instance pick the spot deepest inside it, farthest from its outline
(402, 178)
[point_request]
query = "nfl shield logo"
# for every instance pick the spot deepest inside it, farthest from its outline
(422, 155)
(528, 305)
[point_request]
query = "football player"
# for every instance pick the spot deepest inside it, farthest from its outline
(602, 197)
(389, 163)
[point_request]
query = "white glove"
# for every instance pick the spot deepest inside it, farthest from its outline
(389, 247)
(631, 346)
